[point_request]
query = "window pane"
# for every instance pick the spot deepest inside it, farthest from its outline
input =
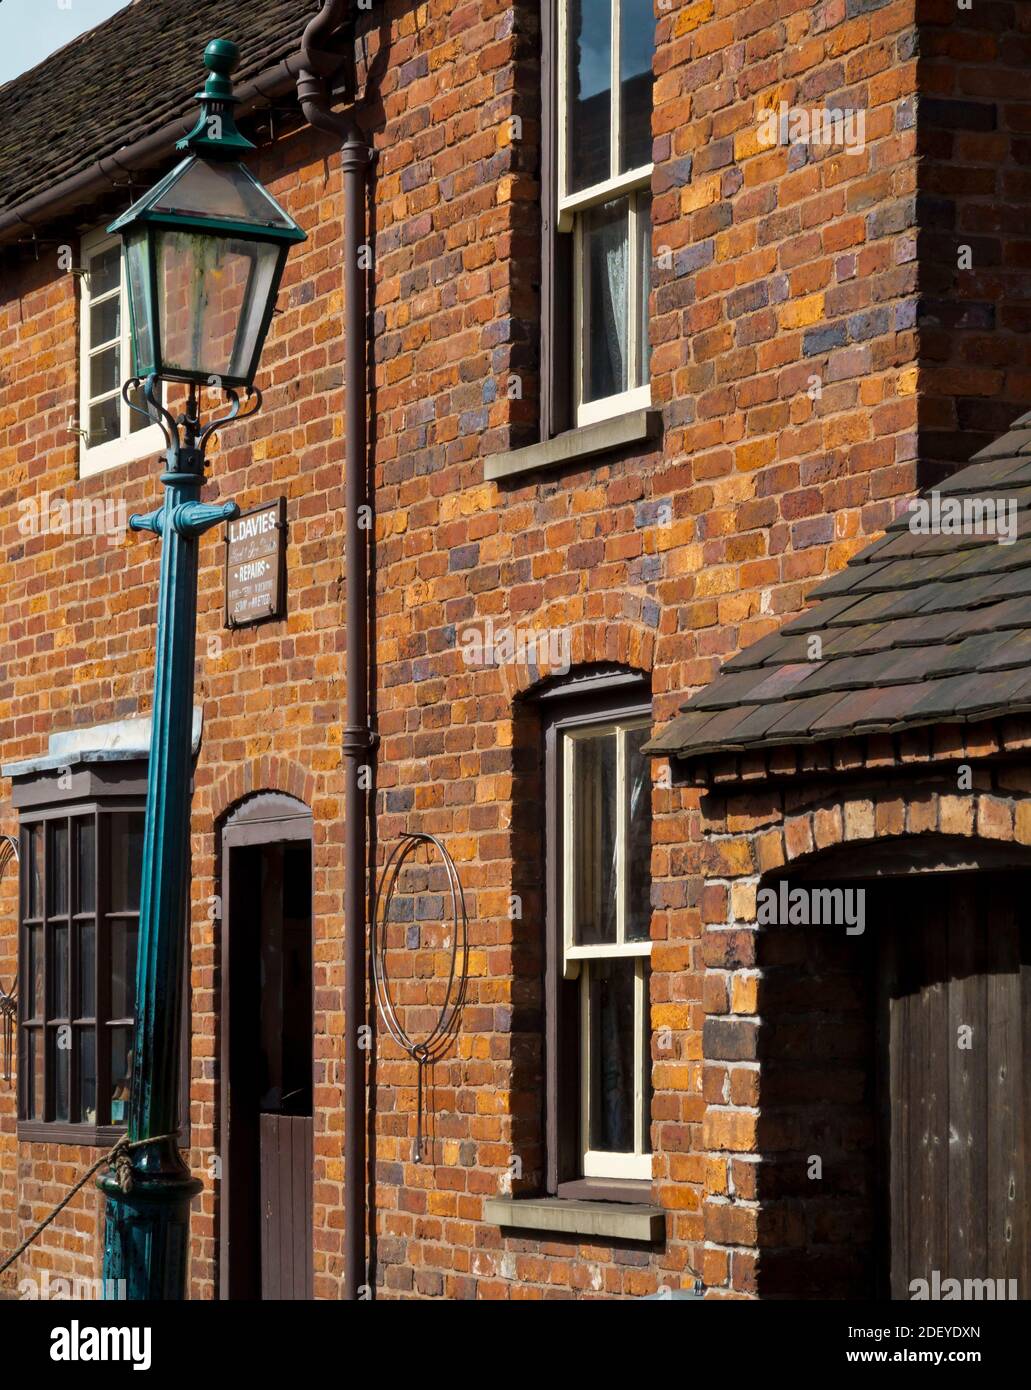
(594, 839)
(34, 871)
(121, 1064)
(644, 251)
(611, 1063)
(589, 158)
(136, 421)
(636, 46)
(126, 859)
(59, 971)
(104, 271)
(104, 371)
(85, 845)
(103, 422)
(605, 300)
(123, 968)
(87, 992)
(639, 842)
(87, 1103)
(59, 1041)
(57, 865)
(105, 321)
(34, 1004)
(33, 1074)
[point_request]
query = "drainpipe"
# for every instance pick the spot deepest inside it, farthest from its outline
(316, 65)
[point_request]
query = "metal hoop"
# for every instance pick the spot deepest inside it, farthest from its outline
(440, 1036)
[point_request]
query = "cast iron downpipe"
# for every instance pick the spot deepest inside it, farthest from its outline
(316, 63)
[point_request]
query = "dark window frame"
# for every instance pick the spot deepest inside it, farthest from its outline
(573, 703)
(48, 799)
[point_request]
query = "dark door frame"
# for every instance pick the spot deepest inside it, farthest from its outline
(264, 818)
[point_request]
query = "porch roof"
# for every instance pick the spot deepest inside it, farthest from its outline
(919, 628)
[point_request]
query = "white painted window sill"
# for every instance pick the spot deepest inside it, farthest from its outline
(584, 442)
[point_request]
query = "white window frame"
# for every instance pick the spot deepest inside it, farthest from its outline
(571, 206)
(131, 445)
(576, 959)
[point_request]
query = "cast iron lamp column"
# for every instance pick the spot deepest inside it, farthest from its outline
(146, 1241)
(204, 253)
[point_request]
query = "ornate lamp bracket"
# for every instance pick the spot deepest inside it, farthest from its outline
(187, 443)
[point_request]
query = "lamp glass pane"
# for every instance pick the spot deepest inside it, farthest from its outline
(214, 292)
(225, 191)
(136, 263)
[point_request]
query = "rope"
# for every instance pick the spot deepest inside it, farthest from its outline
(118, 1159)
(440, 1036)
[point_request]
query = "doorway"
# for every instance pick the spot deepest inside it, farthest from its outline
(267, 1031)
(954, 978)
(896, 1085)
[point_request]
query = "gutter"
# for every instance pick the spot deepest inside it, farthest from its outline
(356, 156)
(28, 217)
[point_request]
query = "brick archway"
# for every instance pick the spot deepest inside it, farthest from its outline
(267, 773)
(756, 1204)
(592, 642)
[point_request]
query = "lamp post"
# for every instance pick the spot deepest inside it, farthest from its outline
(204, 253)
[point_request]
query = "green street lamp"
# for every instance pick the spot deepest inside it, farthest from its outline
(204, 253)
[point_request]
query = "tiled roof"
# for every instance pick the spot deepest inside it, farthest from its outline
(126, 78)
(919, 628)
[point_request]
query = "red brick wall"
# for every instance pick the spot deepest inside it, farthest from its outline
(770, 271)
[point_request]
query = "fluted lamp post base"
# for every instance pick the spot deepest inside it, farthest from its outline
(147, 1229)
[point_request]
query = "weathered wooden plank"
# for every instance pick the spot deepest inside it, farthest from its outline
(967, 1081)
(1006, 1182)
(933, 968)
(270, 1277)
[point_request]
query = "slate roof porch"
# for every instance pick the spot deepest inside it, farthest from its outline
(919, 631)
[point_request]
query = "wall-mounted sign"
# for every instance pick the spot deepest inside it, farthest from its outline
(256, 564)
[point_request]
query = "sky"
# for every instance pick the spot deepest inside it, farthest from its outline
(30, 30)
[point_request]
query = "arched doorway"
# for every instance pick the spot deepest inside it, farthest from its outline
(895, 1076)
(266, 1055)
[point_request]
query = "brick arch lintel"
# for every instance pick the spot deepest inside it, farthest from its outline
(269, 773)
(833, 822)
(620, 641)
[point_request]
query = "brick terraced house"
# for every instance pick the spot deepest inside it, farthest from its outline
(674, 306)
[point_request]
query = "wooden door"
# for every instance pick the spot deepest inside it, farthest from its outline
(285, 1196)
(954, 977)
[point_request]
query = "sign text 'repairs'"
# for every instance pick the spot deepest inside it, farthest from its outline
(255, 556)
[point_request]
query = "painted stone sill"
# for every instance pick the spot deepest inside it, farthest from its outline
(587, 441)
(615, 1220)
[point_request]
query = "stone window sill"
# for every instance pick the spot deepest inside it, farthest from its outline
(610, 1220)
(587, 441)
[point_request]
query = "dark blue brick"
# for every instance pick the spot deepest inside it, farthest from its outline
(870, 324)
(819, 340)
(463, 557)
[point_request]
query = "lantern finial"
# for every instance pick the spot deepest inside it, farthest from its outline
(215, 135)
